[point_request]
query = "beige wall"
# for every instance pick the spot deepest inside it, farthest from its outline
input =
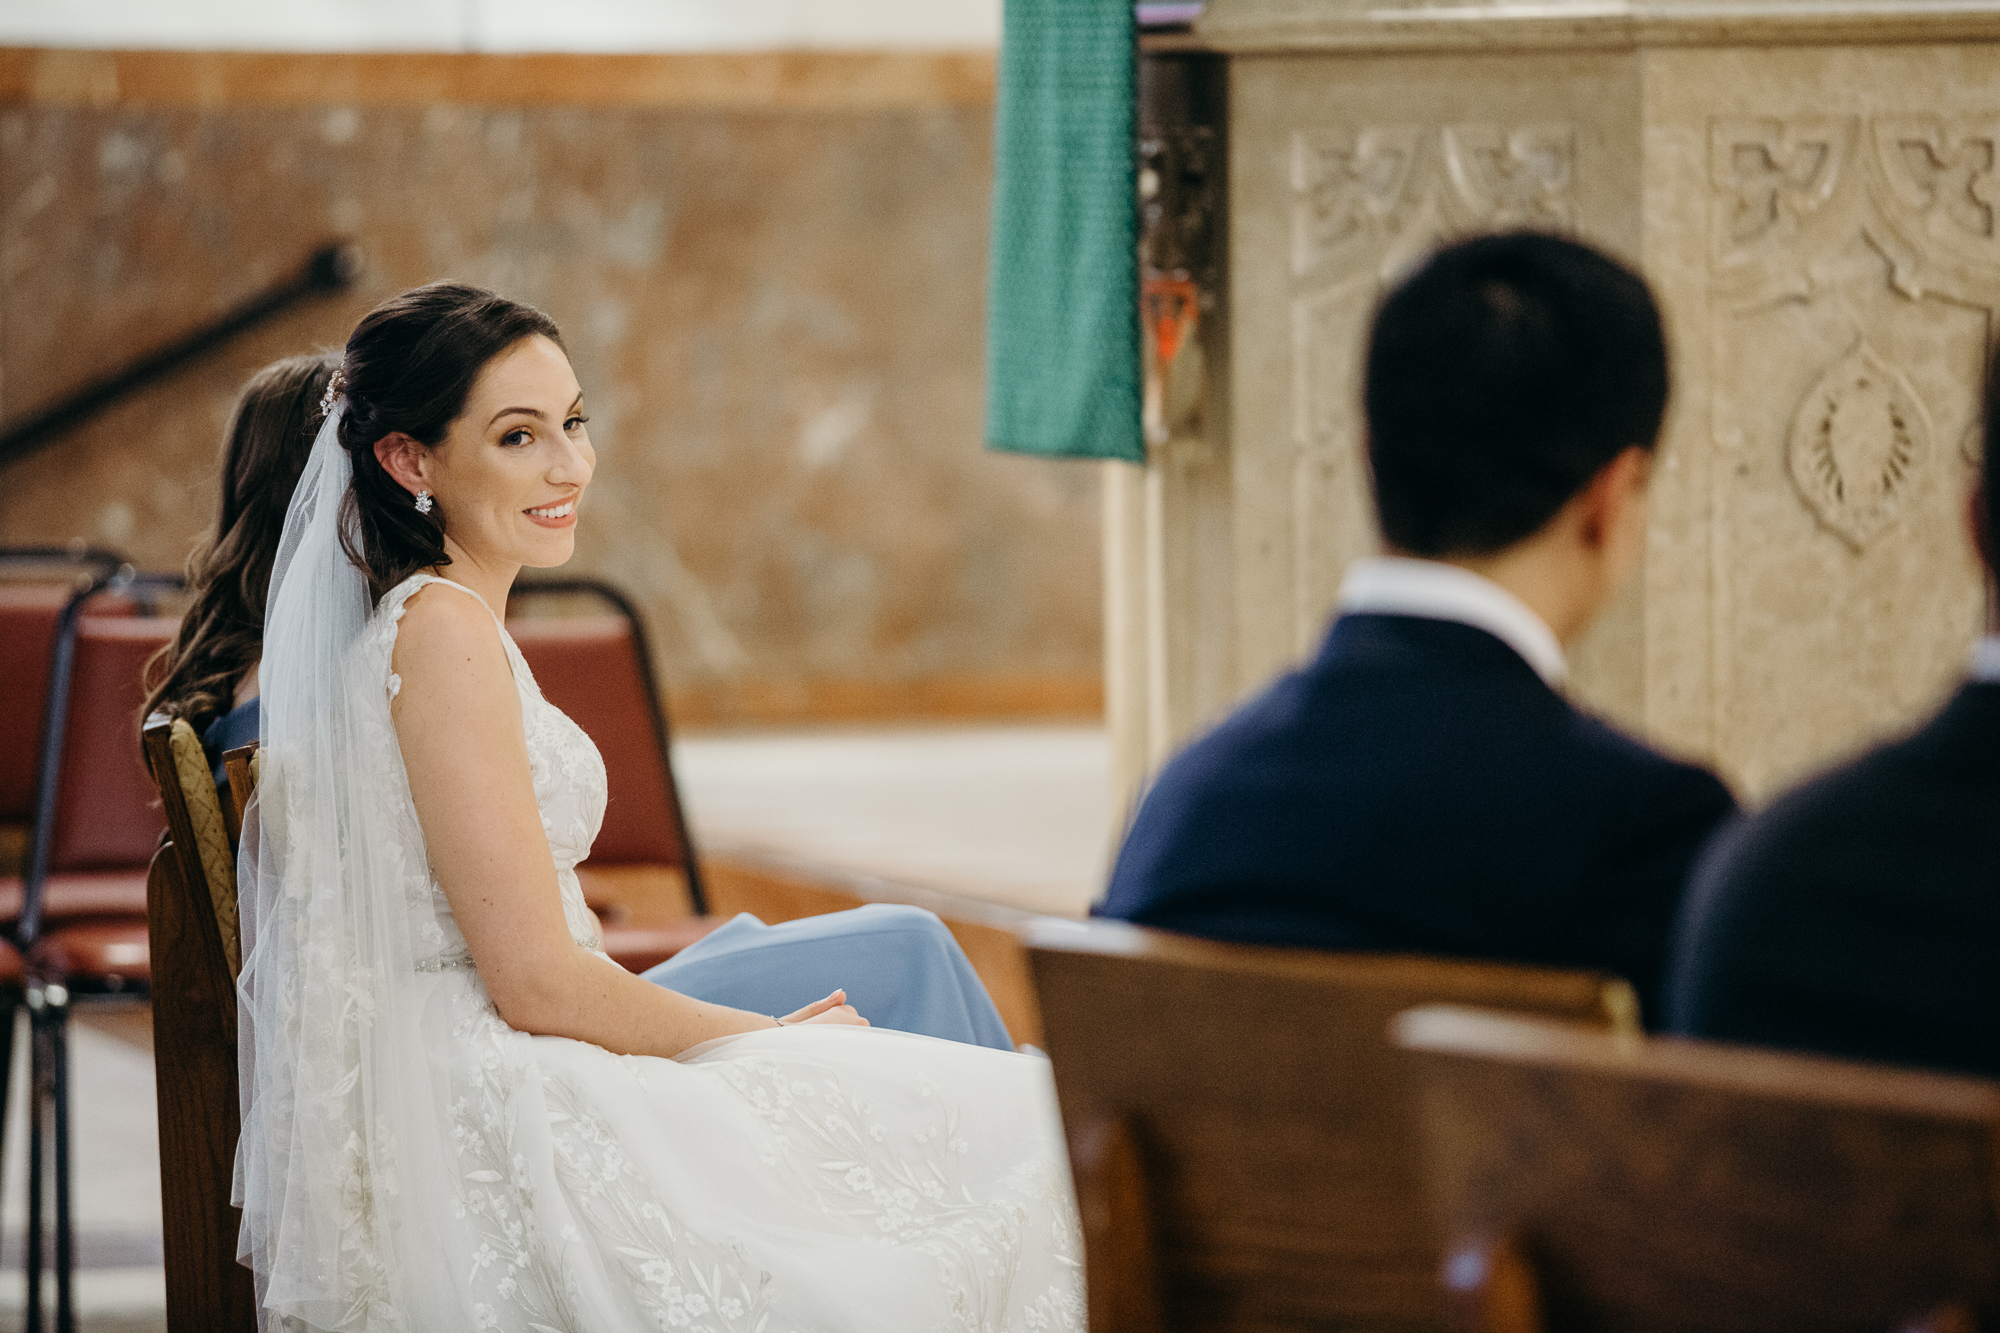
(770, 273)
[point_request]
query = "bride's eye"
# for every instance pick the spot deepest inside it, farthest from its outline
(520, 435)
(575, 423)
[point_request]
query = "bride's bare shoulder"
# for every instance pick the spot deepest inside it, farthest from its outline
(446, 629)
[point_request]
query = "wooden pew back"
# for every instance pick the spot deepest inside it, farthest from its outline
(1244, 1104)
(192, 923)
(1592, 1183)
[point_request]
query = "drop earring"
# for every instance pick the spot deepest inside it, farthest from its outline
(423, 502)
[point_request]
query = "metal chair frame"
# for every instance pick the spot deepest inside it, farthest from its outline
(48, 996)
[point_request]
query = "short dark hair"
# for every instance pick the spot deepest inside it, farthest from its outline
(409, 366)
(1502, 376)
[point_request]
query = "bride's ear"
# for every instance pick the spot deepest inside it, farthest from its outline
(404, 460)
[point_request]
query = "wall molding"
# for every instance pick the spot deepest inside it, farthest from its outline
(964, 697)
(772, 80)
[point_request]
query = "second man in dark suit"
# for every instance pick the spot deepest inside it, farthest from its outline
(1859, 915)
(1422, 784)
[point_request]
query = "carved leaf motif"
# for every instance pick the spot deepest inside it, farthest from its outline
(1858, 443)
(1507, 178)
(1771, 174)
(1944, 169)
(1347, 185)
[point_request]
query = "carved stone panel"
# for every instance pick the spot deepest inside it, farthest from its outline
(1853, 285)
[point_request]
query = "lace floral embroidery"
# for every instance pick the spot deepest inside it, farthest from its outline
(559, 1222)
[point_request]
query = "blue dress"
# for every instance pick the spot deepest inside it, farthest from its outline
(232, 731)
(900, 966)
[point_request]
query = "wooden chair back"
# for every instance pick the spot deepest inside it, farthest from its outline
(192, 926)
(1239, 1128)
(1590, 1182)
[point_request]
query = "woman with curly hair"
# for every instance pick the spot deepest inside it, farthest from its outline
(208, 675)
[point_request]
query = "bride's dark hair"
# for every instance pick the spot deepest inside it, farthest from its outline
(409, 368)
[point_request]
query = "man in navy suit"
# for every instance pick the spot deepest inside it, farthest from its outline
(1422, 784)
(1859, 915)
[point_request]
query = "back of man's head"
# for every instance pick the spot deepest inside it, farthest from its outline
(1502, 376)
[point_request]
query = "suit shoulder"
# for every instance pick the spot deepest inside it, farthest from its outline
(1628, 760)
(1842, 802)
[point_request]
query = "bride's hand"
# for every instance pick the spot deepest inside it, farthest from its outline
(833, 1009)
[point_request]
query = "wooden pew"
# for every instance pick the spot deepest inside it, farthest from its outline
(1595, 1183)
(1239, 1128)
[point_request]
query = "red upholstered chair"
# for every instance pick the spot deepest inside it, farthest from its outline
(78, 912)
(28, 616)
(642, 877)
(102, 820)
(30, 610)
(38, 602)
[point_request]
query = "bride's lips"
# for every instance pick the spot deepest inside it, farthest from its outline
(553, 516)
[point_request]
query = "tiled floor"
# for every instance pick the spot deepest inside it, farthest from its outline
(116, 1157)
(1018, 815)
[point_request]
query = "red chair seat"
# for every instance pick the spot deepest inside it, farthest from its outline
(95, 951)
(81, 893)
(636, 948)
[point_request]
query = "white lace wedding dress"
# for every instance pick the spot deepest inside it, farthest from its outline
(417, 1164)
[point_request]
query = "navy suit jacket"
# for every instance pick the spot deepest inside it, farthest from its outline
(1418, 787)
(1859, 915)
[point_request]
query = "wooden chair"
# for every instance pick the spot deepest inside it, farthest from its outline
(1239, 1130)
(196, 952)
(643, 878)
(1590, 1182)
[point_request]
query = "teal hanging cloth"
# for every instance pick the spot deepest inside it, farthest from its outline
(1063, 372)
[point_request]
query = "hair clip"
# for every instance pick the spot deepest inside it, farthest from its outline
(334, 387)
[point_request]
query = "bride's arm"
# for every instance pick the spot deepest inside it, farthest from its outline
(458, 718)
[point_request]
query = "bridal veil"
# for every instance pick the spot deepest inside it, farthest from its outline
(339, 1127)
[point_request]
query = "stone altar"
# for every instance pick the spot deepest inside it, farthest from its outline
(1810, 187)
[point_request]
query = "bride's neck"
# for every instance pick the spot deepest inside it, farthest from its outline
(491, 581)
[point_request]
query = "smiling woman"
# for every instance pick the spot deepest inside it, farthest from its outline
(460, 1112)
(508, 476)
(410, 370)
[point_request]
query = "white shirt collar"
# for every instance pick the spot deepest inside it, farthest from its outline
(1986, 660)
(1433, 590)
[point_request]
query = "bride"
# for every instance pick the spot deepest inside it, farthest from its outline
(458, 1114)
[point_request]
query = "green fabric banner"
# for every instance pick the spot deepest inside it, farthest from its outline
(1063, 370)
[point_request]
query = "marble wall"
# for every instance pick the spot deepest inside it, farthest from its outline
(770, 275)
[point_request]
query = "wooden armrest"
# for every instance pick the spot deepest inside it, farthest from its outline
(242, 774)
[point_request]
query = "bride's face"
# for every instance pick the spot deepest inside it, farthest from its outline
(510, 474)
